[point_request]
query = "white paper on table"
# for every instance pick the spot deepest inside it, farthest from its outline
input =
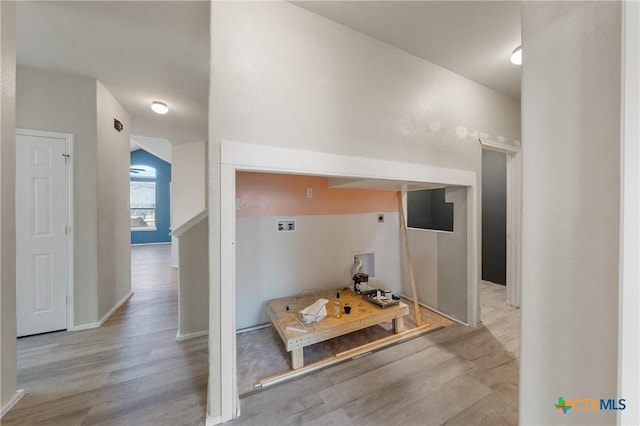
(314, 312)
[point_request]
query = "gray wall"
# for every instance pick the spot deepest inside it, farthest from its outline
(494, 217)
(194, 280)
(452, 259)
(424, 254)
(440, 261)
(570, 214)
(114, 244)
(81, 106)
(64, 103)
(8, 376)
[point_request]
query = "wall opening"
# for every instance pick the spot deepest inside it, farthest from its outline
(150, 198)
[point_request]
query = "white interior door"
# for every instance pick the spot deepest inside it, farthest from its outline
(41, 227)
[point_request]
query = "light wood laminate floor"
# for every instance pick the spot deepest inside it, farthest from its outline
(455, 376)
(275, 360)
(130, 371)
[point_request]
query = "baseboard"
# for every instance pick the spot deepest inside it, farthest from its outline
(16, 398)
(181, 337)
(86, 326)
(91, 325)
(213, 420)
(115, 308)
(254, 328)
(151, 244)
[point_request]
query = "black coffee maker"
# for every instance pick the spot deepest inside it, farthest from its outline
(360, 281)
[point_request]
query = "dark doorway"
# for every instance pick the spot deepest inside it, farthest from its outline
(494, 217)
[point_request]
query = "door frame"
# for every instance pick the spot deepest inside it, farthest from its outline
(236, 156)
(629, 294)
(68, 138)
(514, 217)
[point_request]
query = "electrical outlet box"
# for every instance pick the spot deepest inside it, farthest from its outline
(380, 217)
(286, 225)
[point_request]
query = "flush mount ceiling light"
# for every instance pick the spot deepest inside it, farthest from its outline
(516, 56)
(159, 107)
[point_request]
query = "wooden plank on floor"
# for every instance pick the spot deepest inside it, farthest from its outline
(407, 250)
(396, 338)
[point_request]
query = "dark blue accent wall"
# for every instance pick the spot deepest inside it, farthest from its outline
(163, 201)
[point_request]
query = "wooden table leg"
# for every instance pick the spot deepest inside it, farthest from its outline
(398, 324)
(297, 358)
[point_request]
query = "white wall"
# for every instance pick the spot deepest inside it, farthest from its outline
(159, 147)
(8, 364)
(571, 196)
(283, 76)
(188, 177)
(64, 103)
(114, 238)
(317, 255)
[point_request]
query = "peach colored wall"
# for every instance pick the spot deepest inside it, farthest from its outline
(266, 194)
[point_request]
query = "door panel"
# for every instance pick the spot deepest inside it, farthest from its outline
(41, 241)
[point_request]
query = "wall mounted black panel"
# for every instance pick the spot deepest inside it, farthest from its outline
(419, 209)
(428, 209)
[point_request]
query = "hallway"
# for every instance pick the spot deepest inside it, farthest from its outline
(130, 371)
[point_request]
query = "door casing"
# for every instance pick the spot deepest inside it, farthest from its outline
(514, 217)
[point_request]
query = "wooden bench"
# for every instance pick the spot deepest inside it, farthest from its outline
(296, 334)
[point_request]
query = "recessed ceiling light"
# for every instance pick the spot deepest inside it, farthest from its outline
(159, 107)
(516, 56)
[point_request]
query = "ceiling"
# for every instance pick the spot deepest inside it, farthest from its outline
(472, 38)
(159, 50)
(380, 184)
(140, 50)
